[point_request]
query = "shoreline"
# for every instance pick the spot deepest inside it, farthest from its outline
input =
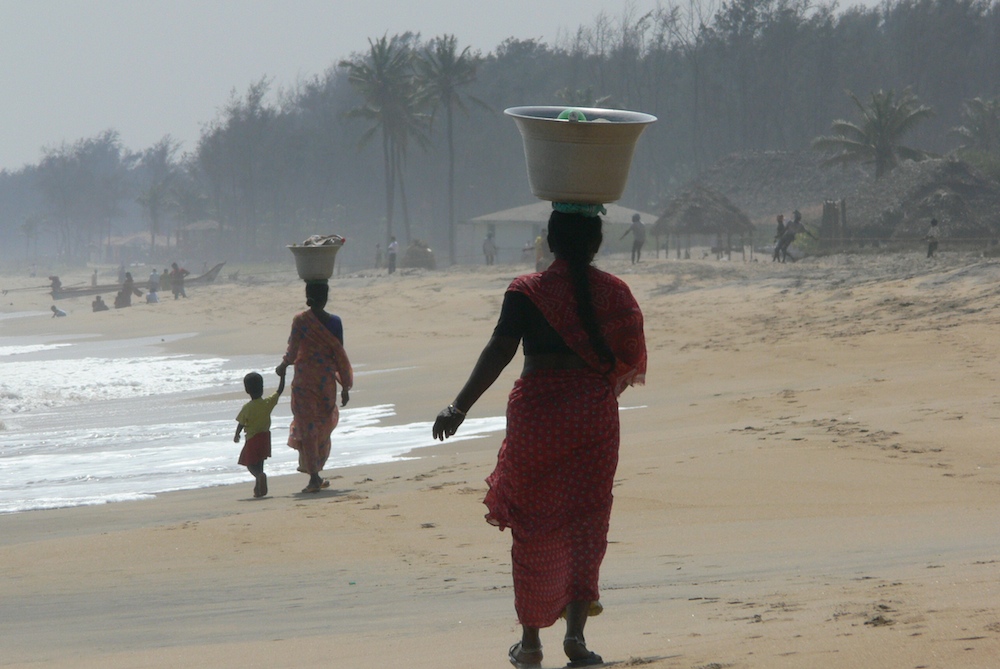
(212, 502)
(807, 479)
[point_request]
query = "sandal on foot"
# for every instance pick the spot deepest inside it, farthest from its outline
(524, 659)
(591, 659)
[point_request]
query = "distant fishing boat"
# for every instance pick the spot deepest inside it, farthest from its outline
(64, 292)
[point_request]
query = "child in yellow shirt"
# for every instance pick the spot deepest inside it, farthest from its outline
(255, 418)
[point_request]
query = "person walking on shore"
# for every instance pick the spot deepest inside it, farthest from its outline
(255, 419)
(582, 333)
(316, 348)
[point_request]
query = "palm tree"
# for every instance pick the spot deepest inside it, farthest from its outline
(442, 71)
(981, 131)
(384, 77)
(884, 121)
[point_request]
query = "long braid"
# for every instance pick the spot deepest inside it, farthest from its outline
(576, 238)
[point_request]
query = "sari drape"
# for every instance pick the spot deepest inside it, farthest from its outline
(320, 364)
(556, 466)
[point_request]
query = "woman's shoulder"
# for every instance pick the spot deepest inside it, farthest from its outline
(610, 282)
(521, 282)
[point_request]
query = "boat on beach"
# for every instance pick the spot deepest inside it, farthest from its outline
(64, 292)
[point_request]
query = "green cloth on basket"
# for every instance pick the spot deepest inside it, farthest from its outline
(590, 210)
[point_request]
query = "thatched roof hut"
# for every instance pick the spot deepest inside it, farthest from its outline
(766, 183)
(901, 204)
(702, 211)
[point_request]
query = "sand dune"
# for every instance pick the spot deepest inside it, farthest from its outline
(809, 479)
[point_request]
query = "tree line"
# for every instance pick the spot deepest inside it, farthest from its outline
(408, 138)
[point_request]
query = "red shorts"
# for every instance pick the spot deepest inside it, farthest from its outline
(256, 450)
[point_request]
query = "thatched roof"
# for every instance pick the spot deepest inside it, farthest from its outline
(702, 211)
(901, 203)
(766, 183)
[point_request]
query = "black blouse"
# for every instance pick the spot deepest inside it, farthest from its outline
(521, 319)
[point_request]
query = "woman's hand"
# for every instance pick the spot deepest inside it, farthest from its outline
(345, 397)
(447, 422)
(280, 369)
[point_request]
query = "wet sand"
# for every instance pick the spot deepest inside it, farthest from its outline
(810, 478)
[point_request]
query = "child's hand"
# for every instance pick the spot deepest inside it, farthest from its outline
(236, 439)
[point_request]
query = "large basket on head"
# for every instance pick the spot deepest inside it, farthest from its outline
(579, 154)
(314, 262)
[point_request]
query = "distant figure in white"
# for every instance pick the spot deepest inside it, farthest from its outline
(638, 231)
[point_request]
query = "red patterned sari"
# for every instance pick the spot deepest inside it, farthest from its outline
(555, 469)
(320, 363)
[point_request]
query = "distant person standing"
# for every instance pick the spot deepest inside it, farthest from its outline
(154, 282)
(779, 233)
(489, 249)
(932, 238)
(393, 250)
(791, 231)
(177, 275)
(638, 230)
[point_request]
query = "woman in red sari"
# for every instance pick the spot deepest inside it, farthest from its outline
(583, 345)
(316, 348)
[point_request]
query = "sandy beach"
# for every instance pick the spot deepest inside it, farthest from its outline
(810, 478)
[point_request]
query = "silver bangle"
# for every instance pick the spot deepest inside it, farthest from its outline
(454, 408)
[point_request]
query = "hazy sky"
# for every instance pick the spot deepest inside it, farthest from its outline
(146, 68)
(74, 68)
